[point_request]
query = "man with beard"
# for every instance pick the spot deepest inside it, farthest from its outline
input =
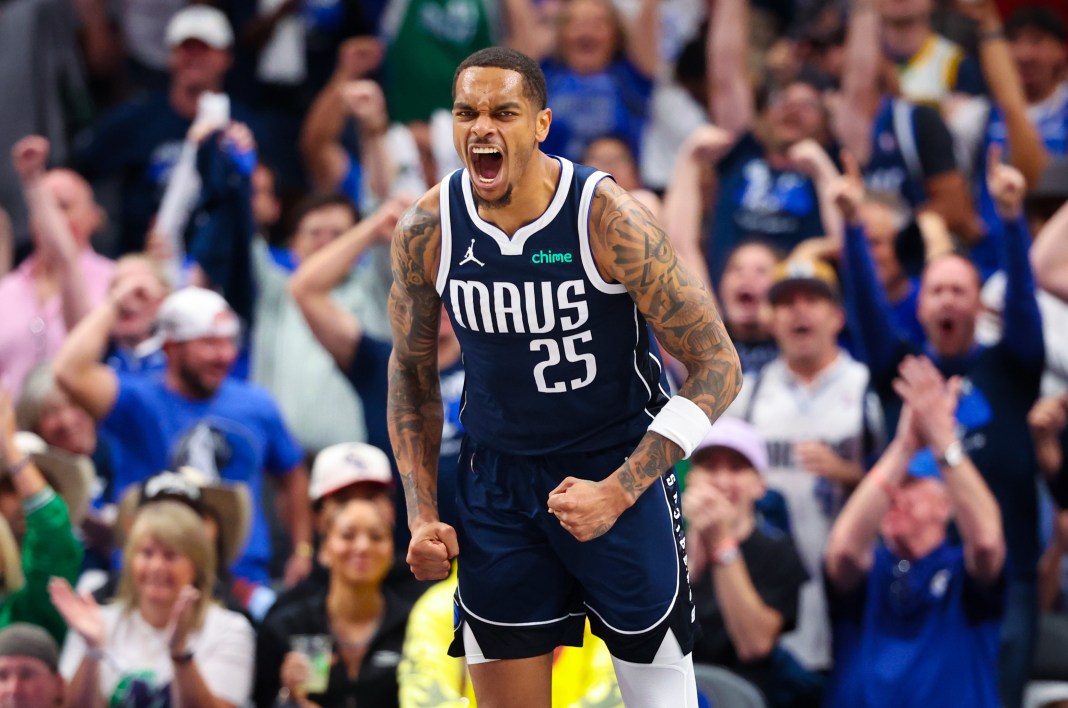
(999, 384)
(192, 413)
(552, 276)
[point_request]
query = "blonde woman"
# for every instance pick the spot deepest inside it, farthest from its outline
(164, 641)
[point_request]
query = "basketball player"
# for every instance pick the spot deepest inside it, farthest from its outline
(566, 499)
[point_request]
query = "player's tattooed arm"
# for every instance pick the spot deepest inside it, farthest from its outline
(632, 249)
(413, 408)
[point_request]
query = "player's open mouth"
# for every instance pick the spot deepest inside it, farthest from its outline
(486, 162)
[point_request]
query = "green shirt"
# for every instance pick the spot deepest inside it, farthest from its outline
(48, 549)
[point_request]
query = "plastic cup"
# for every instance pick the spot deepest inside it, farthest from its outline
(319, 649)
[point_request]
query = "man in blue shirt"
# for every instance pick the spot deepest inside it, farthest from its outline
(139, 142)
(193, 414)
(916, 618)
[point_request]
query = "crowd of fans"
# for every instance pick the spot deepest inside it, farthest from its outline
(198, 500)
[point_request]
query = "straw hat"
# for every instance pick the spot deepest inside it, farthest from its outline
(228, 502)
(70, 475)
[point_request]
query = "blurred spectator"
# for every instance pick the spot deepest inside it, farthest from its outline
(340, 473)
(286, 52)
(429, 678)
(63, 278)
(599, 73)
(319, 408)
(1024, 130)
(350, 145)
(768, 177)
(225, 511)
(29, 668)
(743, 293)
(906, 151)
(164, 640)
(45, 410)
(193, 414)
(871, 227)
(425, 41)
(813, 408)
(746, 575)
(363, 623)
(363, 357)
(135, 345)
(1046, 261)
(1002, 381)
(915, 616)
(612, 154)
(138, 143)
(931, 68)
(44, 89)
(42, 495)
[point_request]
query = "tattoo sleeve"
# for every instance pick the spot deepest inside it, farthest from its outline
(632, 249)
(413, 408)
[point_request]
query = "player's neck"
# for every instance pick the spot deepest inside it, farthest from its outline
(533, 192)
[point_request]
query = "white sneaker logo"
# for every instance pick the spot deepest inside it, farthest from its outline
(469, 257)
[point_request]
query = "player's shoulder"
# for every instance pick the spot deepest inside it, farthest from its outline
(423, 213)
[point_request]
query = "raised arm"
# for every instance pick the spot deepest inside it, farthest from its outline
(1022, 333)
(730, 93)
(77, 366)
(336, 328)
(54, 240)
(683, 201)
(975, 510)
(860, 81)
(1029, 154)
(413, 409)
(320, 135)
(861, 289)
(630, 248)
(848, 555)
(643, 38)
(1049, 254)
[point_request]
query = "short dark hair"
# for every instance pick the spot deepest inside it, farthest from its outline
(511, 60)
(315, 202)
(1039, 18)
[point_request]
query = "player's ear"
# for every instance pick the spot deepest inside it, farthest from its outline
(541, 124)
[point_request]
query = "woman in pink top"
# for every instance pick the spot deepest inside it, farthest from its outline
(63, 278)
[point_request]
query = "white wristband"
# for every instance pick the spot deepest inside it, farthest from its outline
(682, 422)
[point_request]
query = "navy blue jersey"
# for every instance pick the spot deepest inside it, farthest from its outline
(557, 360)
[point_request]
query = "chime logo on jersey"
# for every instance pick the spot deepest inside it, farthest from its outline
(518, 308)
(541, 257)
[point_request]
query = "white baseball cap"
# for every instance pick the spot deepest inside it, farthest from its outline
(341, 465)
(193, 313)
(202, 22)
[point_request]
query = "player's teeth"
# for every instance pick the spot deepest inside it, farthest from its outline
(484, 151)
(485, 180)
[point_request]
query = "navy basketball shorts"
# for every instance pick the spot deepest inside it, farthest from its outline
(526, 585)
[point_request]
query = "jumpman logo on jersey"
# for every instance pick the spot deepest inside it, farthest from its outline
(469, 257)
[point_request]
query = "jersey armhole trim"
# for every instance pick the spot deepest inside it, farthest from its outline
(446, 236)
(588, 263)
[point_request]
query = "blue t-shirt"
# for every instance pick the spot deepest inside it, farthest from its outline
(589, 106)
(755, 199)
(919, 633)
(236, 435)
